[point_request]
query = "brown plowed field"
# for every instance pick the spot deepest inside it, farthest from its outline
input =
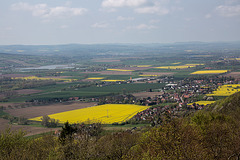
(57, 77)
(28, 91)
(136, 68)
(10, 104)
(26, 75)
(146, 94)
(116, 72)
(3, 124)
(233, 74)
(36, 111)
(15, 75)
(30, 130)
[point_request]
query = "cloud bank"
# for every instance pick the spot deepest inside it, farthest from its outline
(228, 11)
(123, 3)
(153, 10)
(158, 7)
(44, 11)
(142, 27)
(100, 25)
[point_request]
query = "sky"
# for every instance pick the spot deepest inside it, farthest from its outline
(49, 22)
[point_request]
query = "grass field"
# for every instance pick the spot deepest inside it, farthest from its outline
(106, 114)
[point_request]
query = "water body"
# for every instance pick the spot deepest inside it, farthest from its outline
(48, 67)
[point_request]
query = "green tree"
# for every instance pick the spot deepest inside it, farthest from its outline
(22, 121)
(174, 140)
(49, 122)
(12, 144)
(67, 133)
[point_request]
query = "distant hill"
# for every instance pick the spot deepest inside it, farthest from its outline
(123, 49)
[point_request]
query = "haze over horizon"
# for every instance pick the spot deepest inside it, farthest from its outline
(53, 22)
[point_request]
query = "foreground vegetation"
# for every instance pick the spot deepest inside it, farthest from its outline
(213, 133)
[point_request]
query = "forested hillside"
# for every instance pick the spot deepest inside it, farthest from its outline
(229, 106)
(213, 133)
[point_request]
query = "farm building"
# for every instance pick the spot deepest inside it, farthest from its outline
(139, 79)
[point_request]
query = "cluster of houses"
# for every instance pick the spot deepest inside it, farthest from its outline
(178, 96)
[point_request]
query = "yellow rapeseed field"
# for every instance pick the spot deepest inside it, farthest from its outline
(177, 63)
(45, 78)
(202, 102)
(96, 78)
(226, 90)
(232, 59)
(179, 67)
(210, 72)
(123, 70)
(112, 80)
(106, 114)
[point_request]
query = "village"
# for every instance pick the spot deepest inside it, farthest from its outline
(176, 99)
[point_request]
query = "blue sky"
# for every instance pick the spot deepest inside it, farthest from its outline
(118, 21)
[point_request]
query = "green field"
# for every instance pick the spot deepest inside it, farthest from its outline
(87, 92)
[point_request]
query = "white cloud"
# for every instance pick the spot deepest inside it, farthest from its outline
(159, 7)
(123, 3)
(100, 25)
(153, 10)
(120, 18)
(228, 11)
(142, 26)
(44, 11)
(155, 7)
